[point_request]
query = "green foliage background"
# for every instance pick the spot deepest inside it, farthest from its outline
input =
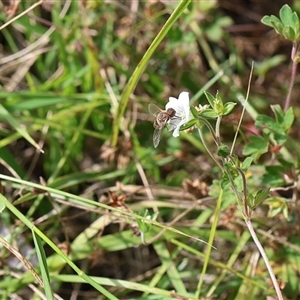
(78, 167)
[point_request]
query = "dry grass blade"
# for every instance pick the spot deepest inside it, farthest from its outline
(21, 14)
(22, 259)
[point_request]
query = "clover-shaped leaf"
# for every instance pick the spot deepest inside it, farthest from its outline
(289, 33)
(288, 17)
(288, 25)
(274, 22)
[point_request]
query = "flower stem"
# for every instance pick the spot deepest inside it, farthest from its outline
(293, 75)
(265, 258)
(210, 129)
(218, 124)
(245, 202)
(207, 150)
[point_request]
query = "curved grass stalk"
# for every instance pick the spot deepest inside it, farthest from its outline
(141, 67)
(80, 273)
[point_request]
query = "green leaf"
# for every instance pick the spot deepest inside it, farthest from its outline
(280, 138)
(247, 163)
(266, 122)
(228, 107)
(274, 126)
(215, 31)
(189, 124)
(277, 205)
(290, 20)
(297, 58)
(144, 226)
(261, 68)
(37, 103)
(2, 207)
(273, 176)
(288, 119)
(223, 151)
(4, 114)
(260, 196)
(251, 201)
(278, 112)
(286, 164)
(225, 182)
(275, 211)
(296, 23)
(274, 22)
(209, 113)
(285, 119)
(194, 112)
(288, 24)
(228, 196)
(43, 265)
(210, 98)
(278, 26)
(257, 147)
(289, 33)
(270, 20)
(218, 104)
(266, 20)
(286, 16)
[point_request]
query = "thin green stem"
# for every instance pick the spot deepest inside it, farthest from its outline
(245, 202)
(293, 76)
(243, 111)
(210, 129)
(210, 243)
(207, 149)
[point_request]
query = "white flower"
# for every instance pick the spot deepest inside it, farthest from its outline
(183, 114)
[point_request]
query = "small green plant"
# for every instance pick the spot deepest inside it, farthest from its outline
(288, 25)
(274, 134)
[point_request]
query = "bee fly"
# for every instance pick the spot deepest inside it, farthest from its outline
(161, 119)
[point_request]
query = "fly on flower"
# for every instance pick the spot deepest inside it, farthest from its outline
(183, 114)
(176, 114)
(162, 117)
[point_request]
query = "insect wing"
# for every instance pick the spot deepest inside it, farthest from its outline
(156, 136)
(153, 109)
(173, 123)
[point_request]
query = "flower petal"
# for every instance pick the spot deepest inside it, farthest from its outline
(176, 130)
(184, 99)
(173, 103)
(173, 123)
(182, 108)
